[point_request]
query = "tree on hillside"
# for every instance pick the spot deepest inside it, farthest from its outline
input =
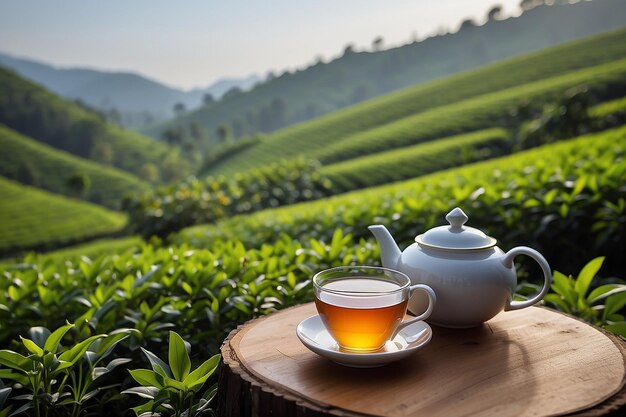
(349, 49)
(174, 136)
(494, 13)
(377, 44)
(235, 91)
(530, 4)
(197, 132)
(223, 132)
(78, 184)
(467, 23)
(179, 109)
(207, 98)
(238, 127)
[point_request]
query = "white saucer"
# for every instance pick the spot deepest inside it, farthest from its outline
(314, 336)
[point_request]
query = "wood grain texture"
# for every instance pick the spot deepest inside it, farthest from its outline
(530, 362)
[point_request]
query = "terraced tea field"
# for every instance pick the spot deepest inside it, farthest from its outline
(421, 159)
(552, 198)
(310, 137)
(33, 218)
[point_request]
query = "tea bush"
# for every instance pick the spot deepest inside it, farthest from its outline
(567, 200)
(196, 201)
(609, 114)
(199, 293)
(133, 300)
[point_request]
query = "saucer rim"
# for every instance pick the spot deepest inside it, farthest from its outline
(337, 355)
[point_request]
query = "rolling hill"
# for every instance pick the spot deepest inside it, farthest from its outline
(439, 108)
(35, 112)
(36, 164)
(35, 219)
(356, 76)
(129, 93)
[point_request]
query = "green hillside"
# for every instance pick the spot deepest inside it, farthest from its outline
(312, 138)
(421, 159)
(34, 219)
(563, 199)
(360, 75)
(34, 163)
(35, 112)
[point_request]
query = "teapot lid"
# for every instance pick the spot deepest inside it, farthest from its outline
(456, 236)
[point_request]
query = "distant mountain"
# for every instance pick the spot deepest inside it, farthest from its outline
(358, 76)
(131, 94)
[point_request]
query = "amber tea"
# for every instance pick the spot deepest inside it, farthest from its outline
(361, 313)
(362, 307)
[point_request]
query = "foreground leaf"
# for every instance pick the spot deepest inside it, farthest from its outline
(178, 357)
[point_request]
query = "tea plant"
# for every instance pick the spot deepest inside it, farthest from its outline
(59, 380)
(173, 388)
(600, 305)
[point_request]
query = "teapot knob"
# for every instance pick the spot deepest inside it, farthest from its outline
(457, 218)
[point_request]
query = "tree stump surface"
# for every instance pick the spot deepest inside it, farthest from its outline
(530, 362)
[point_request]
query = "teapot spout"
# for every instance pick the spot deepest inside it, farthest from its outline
(389, 250)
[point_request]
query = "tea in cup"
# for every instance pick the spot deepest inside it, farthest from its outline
(363, 307)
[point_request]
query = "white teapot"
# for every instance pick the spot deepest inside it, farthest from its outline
(473, 279)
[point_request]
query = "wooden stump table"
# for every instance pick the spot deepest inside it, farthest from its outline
(530, 362)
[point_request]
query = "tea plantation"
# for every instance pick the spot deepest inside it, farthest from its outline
(567, 200)
(552, 198)
(34, 163)
(413, 161)
(81, 327)
(311, 137)
(30, 217)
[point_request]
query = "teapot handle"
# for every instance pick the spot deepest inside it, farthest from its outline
(547, 275)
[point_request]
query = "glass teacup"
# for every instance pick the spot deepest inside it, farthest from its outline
(363, 307)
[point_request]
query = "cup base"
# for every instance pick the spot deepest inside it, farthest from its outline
(359, 350)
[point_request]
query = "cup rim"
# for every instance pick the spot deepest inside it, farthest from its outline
(403, 287)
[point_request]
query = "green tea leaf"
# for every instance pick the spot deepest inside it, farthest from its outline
(614, 304)
(586, 275)
(172, 383)
(32, 346)
(106, 345)
(147, 377)
(52, 343)
(14, 360)
(604, 291)
(564, 286)
(157, 364)
(78, 350)
(9, 374)
(557, 301)
(617, 328)
(196, 378)
(143, 392)
(178, 357)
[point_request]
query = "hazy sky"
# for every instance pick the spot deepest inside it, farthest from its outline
(187, 43)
